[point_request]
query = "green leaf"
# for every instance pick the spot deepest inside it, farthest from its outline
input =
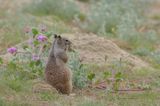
(1, 61)
(34, 31)
(25, 47)
(81, 66)
(48, 34)
(12, 65)
(38, 63)
(106, 74)
(45, 46)
(31, 64)
(116, 86)
(36, 43)
(91, 76)
(119, 76)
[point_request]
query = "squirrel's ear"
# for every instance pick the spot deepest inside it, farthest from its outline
(55, 36)
(59, 36)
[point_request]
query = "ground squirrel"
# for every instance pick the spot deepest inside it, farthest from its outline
(57, 73)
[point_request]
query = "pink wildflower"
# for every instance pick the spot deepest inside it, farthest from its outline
(35, 58)
(41, 38)
(12, 50)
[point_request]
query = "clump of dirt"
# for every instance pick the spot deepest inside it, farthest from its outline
(99, 50)
(41, 86)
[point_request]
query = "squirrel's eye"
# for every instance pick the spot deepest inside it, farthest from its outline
(66, 40)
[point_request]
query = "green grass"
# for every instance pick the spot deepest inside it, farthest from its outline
(156, 17)
(11, 30)
(21, 93)
(113, 16)
(146, 99)
(16, 87)
(65, 9)
(123, 20)
(12, 25)
(84, 0)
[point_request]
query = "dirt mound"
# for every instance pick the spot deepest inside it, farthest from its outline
(99, 50)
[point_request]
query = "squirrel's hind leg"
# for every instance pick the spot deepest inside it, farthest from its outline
(64, 88)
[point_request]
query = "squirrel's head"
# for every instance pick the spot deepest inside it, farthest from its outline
(62, 43)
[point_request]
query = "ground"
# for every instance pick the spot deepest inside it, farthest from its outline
(92, 49)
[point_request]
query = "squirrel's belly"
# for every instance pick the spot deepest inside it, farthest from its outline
(55, 76)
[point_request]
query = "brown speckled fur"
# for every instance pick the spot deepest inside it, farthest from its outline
(57, 73)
